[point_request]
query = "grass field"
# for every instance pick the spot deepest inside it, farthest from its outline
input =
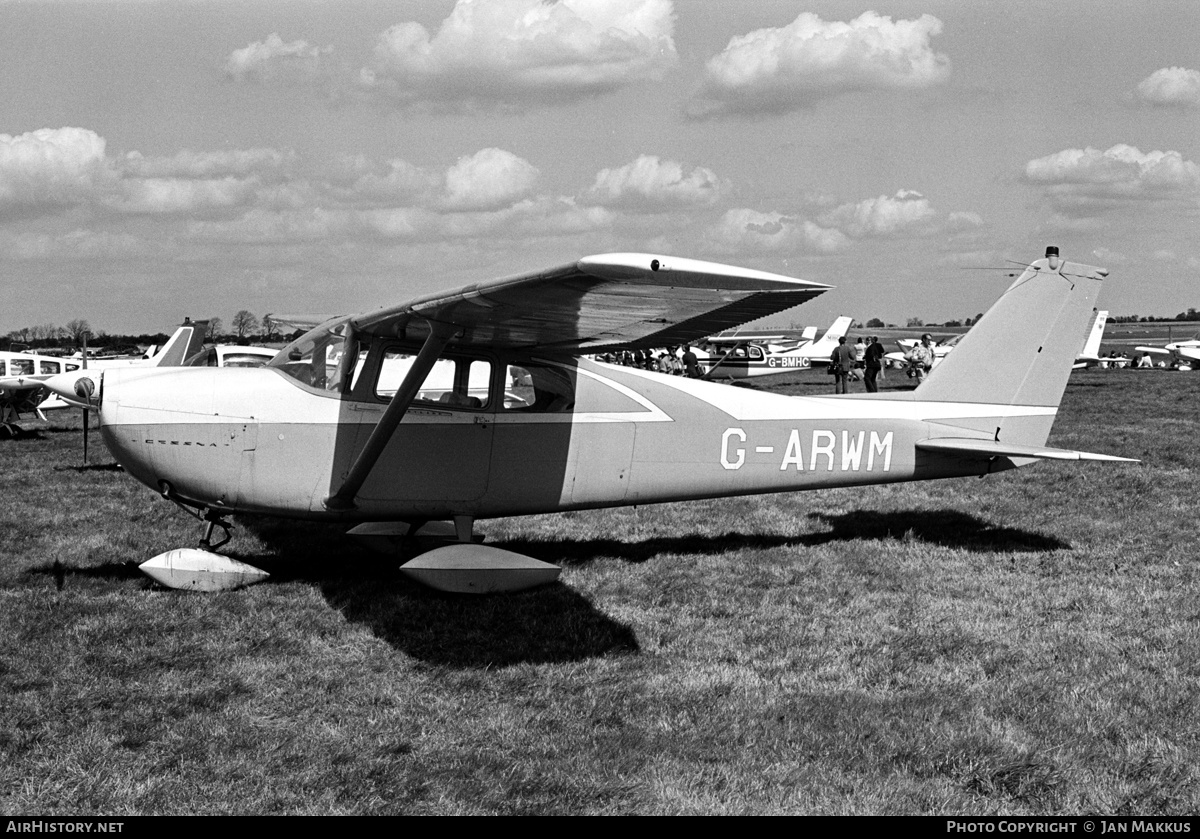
(1023, 644)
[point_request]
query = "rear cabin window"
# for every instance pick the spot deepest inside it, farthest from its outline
(552, 389)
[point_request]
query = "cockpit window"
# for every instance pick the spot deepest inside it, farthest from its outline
(453, 382)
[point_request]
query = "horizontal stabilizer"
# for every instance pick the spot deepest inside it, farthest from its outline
(977, 449)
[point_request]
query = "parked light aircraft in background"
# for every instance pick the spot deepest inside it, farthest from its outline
(776, 343)
(1184, 355)
(745, 358)
(316, 435)
(65, 390)
(899, 358)
(21, 377)
(1089, 356)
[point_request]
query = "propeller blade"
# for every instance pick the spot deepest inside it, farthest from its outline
(87, 409)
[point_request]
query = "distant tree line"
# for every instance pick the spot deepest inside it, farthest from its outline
(1190, 315)
(246, 329)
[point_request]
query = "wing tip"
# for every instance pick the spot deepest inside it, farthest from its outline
(674, 270)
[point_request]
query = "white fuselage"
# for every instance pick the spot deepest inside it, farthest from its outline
(259, 441)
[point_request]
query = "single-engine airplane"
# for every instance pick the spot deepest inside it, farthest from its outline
(746, 358)
(325, 432)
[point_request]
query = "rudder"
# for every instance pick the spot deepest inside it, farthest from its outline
(1021, 351)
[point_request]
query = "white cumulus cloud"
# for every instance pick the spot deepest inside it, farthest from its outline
(882, 216)
(274, 59)
(51, 167)
(794, 66)
(742, 229)
(1080, 181)
(400, 182)
(525, 52)
(488, 179)
(654, 183)
(180, 195)
(217, 164)
(1170, 86)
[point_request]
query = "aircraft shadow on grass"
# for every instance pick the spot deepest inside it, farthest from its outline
(947, 528)
(552, 623)
(548, 624)
(111, 571)
(91, 467)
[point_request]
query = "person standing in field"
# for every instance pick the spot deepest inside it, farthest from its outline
(860, 355)
(920, 359)
(841, 362)
(873, 364)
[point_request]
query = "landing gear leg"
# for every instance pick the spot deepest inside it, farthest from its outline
(463, 525)
(213, 519)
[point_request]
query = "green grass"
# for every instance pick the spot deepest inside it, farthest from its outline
(1023, 644)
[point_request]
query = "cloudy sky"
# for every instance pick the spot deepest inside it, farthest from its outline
(162, 158)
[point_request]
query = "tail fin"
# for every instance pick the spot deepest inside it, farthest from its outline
(186, 342)
(829, 340)
(1091, 347)
(1021, 350)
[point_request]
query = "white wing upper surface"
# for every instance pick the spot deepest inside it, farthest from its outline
(599, 302)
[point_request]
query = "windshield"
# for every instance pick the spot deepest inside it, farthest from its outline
(319, 357)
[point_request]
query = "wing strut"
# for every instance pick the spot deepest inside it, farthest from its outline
(439, 335)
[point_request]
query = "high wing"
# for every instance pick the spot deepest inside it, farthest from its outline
(625, 300)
